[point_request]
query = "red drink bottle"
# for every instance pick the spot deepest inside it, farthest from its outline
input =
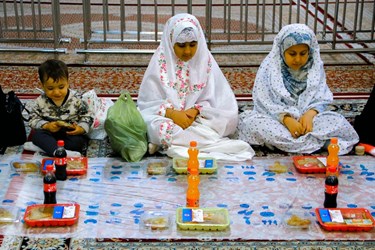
(60, 161)
(49, 186)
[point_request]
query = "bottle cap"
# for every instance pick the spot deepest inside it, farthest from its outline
(334, 140)
(60, 143)
(50, 167)
(193, 144)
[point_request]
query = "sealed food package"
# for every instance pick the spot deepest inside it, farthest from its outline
(74, 165)
(210, 219)
(345, 219)
(25, 165)
(206, 165)
(45, 215)
(309, 164)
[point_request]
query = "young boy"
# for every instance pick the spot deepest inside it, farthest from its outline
(59, 113)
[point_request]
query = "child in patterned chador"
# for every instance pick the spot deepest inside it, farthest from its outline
(59, 113)
(290, 99)
(184, 96)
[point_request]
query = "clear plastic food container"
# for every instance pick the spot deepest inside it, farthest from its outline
(297, 219)
(158, 166)
(25, 166)
(155, 222)
(9, 214)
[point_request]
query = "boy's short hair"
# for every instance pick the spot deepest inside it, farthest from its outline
(54, 69)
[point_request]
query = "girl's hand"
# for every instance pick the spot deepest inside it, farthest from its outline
(180, 118)
(295, 128)
(306, 120)
(192, 114)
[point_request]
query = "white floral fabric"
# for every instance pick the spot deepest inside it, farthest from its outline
(277, 91)
(99, 107)
(199, 83)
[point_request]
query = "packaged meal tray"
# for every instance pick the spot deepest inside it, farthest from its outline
(25, 165)
(9, 214)
(208, 219)
(74, 166)
(47, 215)
(158, 166)
(155, 221)
(345, 219)
(309, 164)
(297, 219)
(206, 165)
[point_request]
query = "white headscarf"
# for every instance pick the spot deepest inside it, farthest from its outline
(199, 65)
(270, 93)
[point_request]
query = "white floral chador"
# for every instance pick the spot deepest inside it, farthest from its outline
(198, 83)
(279, 90)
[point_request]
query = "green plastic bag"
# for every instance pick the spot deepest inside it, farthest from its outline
(126, 129)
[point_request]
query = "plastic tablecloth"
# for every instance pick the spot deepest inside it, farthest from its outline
(114, 195)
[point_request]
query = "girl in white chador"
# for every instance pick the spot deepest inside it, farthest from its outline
(290, 98)
(184, 96)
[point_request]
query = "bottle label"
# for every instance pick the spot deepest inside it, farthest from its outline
(331, 189)
(60, 161)
(192, 202)
(49, 187)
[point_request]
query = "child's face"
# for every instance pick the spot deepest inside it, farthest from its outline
(185, 51)
(296, 56)
(56, 90)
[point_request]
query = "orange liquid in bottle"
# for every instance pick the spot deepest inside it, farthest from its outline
(333, 156)
(192, 193)
(193, 162)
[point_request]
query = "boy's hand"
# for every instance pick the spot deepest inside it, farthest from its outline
(76, 130)
(52, 127)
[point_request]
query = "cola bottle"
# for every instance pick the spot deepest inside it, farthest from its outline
(60, 161)
(331, 188)
(49, 186)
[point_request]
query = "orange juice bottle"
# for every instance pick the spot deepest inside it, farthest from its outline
(333, 156)
(193, 162)
(192, 193)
